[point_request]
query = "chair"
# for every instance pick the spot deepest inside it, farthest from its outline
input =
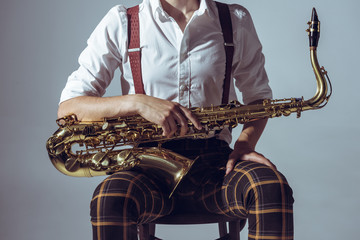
(147, 231)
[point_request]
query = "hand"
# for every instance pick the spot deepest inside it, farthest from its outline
(245, 153)
(169, 115)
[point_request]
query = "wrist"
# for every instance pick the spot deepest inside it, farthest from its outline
(126, 105)
(135, 103)
(243, 147)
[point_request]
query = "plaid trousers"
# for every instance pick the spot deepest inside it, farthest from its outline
(251, 191)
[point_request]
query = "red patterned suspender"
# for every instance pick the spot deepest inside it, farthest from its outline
(134, 48)
(135, 51)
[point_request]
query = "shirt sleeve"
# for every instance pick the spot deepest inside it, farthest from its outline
(248, 65)
(101, 57)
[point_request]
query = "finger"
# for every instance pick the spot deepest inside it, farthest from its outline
(272, 165)
(182, 122)
(167, 121)
(189, 115)
(230, 166)
(166, 128)
(172, 126)
(256, 157)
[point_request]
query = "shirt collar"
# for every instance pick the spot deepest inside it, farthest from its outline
(204, 8)
(154, 5)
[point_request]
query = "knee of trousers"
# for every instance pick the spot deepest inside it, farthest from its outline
(126, 193)
(253, 182)
(113, 193)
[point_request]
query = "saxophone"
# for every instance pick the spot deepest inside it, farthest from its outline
(86, 149)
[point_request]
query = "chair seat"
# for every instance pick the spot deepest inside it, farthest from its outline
(147, 231)
(193, 218)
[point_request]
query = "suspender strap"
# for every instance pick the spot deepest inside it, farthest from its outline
(226, 26)
(134, 50)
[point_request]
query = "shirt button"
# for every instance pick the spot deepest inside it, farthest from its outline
(183, 88)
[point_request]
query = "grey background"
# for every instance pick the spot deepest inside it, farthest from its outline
(40, 43)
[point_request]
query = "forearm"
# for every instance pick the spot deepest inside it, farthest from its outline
(250, 135)
(164, 113)
(88, 108)
(244, 148)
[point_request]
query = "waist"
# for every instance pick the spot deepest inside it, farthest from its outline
(189, 144)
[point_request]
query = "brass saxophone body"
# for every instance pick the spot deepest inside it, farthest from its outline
(86, 149)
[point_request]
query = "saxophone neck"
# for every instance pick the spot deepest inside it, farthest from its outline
(323, 82)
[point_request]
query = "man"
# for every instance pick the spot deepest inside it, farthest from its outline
(183, 65)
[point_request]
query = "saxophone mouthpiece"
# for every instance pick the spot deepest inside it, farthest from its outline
(314, 16)
(314, 29)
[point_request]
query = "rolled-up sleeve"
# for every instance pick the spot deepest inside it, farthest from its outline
(248, 68)
(101, 57)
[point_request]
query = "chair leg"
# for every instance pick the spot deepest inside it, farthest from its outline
(152, 229)
(144, 232)
(222, 229)
(147, 231)
(234, 230)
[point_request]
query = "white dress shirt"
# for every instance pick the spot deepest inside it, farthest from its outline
(186, 67)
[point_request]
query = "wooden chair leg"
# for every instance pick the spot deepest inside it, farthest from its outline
(222, 229)
(144, 232)
(234, 230)
(151, 229)
(147, 231)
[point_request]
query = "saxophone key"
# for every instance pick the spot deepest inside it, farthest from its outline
(72, 165)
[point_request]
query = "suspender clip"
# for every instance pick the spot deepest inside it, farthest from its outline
(134, 50)
(228, 44)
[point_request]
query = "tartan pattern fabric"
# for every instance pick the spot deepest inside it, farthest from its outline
(124, 200)
(258, 193)
(251, 191)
